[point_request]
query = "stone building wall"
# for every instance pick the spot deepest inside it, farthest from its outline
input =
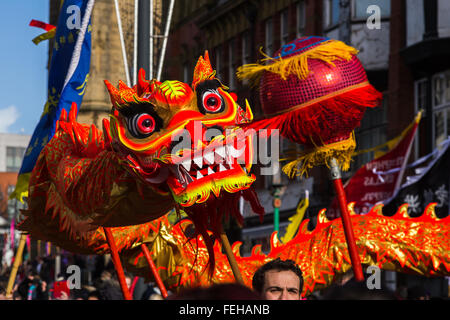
(106, 56)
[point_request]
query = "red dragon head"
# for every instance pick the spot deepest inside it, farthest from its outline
(186, 140)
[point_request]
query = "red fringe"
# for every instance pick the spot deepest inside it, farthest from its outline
(211, 215)
(324, 122)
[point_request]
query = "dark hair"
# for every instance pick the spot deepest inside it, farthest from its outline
(278, 265)
(416, 293)
(219, 291)
(95, 294)
(355, 290)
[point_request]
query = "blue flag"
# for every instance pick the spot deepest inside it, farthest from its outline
(67, 79)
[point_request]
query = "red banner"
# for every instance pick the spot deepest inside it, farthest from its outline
(39, 24)
(367, 187)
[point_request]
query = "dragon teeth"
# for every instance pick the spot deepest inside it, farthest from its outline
(209, 157)
(199, 161)
(186, 164)
(221, 168)
(199, 175)
(221, 151)
(210, 171)
(233, 152)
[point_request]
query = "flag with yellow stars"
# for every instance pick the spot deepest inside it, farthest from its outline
(67, 78)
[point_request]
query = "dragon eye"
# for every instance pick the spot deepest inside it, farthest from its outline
(212, 101)
(141, 125)
(145, 123)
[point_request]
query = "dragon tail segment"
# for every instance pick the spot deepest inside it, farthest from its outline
(399, 243)
(58, 203)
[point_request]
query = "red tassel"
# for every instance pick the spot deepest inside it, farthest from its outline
(326, 121)
(39, 24)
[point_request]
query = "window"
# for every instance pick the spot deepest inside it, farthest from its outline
(186, 78)
(218, 55)
(231, 64)
(331, 13)
(420, 102)
(14, 206)
(284, 27)
(269, 37)
(441, 107)
(14, 156)
(246, 58)
(421, 94)
(300, 11)
(360, 8)
(245, 48)
(440, 99)
(371, 133)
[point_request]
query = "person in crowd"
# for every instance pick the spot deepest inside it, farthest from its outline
(94, 295)
(2, 293)
(79, 294)
(151, 292)
(222, 291)
(418, 293)
(25, 285)
(278, 280)
(108, 286)
(33, 288)
(356, 290)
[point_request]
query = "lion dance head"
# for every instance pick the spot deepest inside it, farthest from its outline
(186, 141)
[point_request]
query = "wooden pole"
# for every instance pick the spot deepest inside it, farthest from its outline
(346, 222)
(122, 43)
(57, 263)
(39, 248)
(16, 264)
(155, 273)
(117, 264)
(231, 258)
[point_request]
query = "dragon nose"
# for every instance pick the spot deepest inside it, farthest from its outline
(184, 116)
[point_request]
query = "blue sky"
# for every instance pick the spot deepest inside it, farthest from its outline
(23, 65)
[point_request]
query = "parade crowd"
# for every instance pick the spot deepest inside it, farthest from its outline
(36, 280)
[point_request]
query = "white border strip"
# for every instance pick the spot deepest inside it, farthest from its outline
(166, 35)
(135, 48)
(122, 42)
(79, 44)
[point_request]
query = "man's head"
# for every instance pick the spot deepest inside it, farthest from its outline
(278, 280)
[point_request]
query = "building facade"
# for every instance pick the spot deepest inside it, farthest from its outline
(234, 31)
(12, 150)
(402, 45)
(107, 58)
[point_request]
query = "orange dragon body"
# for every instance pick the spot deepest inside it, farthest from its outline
(131, 174)
(165, 145)
(399, 243)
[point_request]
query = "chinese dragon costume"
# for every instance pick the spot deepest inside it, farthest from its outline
(173, 145)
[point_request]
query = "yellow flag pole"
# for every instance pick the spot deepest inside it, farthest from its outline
(16, 264)
(231, 258)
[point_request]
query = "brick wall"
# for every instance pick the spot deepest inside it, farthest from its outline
(401, 84)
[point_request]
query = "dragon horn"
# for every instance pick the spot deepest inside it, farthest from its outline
(106, 131)
(206, 58)
(248, 111)
(63, 116)
(73, 112)
(143, 84)
(123, 86)
(203, 70)
(114, 93)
